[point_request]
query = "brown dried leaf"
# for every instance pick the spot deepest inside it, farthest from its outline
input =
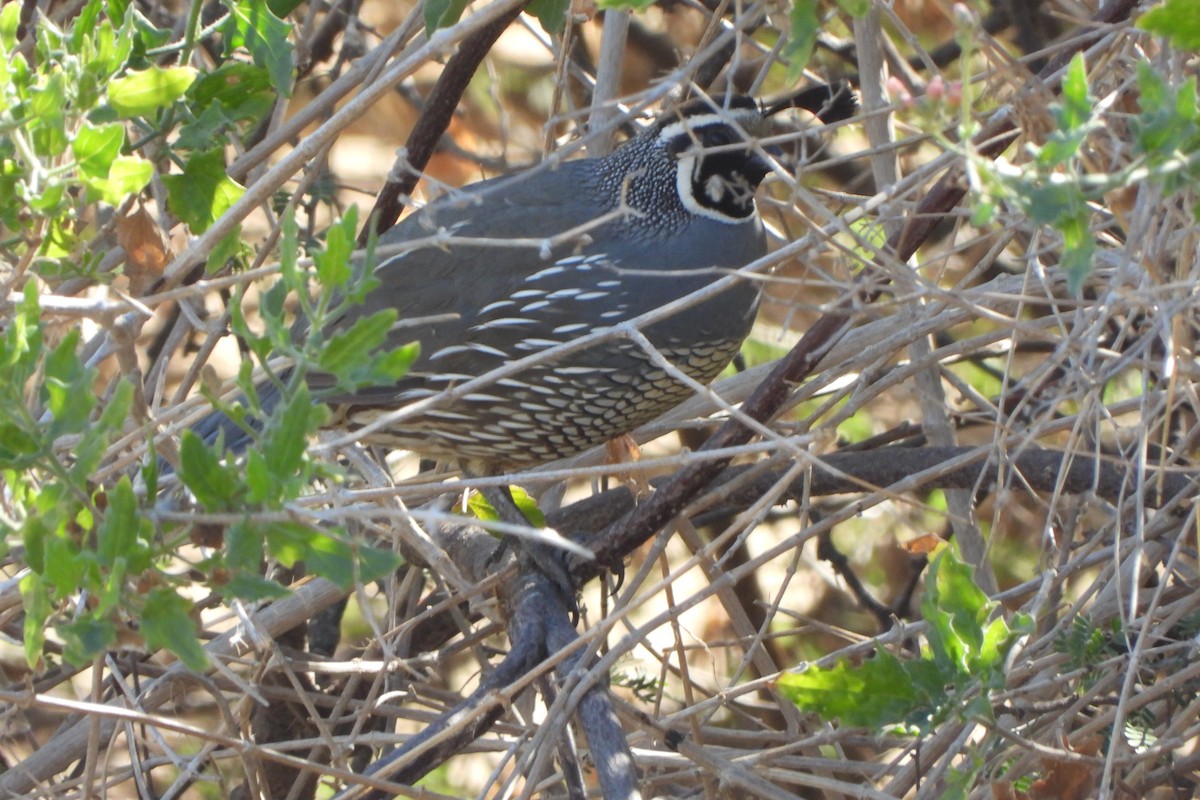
(1068, 780)
(145, 247)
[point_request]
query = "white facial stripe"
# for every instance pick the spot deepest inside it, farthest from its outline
(684, 185)
(687, 165)
(743, 119)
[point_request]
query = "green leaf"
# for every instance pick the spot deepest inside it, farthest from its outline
(97, 147)
(47, 107)
(253, 588)
(238, 90)
(855, 8)
(633, 5)
(963, 661)
(205, 129)
(880, 691)
(1076, 106)
(286, 444)
(67, 388)
(227, 249)
(140, 94)
(352, 348)
(333, 262)
(803, 37)
(128, 176)
(482, 509)
(203, 192)
(166, 625)
(243, 547)
(86, 638)
(442, 14)
(551, 14)
(66, 567)
(117, 535)
(10, 18)
(281, 8)
(204, 474)
(375, 563)
(1177, 20)
(953, 606)
(394, 364)
(322, 554)
(36, 597)
(253, 26)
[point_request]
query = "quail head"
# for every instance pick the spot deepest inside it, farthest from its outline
(666, 214)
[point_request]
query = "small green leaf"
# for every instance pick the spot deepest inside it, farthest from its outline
(204, 474)
(239, 91)
(333, 263)
(323, 554)
(375, 563)
(96, 147)
(128, 175)
(117, 535)
(482, 509)
(632, 5)
(880, 691)
(803, 37)
(86, 638)
(286, 444)
(442, 14)
(243, 547)
(140, 94)
(1177, 20)
(226, 250)
(253, 588)
(348, 349)
(66, 567)
(253, 26)
(203, 192)
(167, 625)
(855, 8)
(200, 133)
(1076, 107)
(47, 107)
(551, 14)
(36, 597)
(393, 365)
(67, 389)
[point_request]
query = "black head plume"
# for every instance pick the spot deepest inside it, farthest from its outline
(829, 102)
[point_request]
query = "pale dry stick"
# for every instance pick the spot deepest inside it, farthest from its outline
(747, 520)
(363, 72)
(604, 115)
(66, 746)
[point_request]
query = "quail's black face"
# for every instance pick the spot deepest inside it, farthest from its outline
(719, 166)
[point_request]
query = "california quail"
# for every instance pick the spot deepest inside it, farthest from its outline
(671, 211)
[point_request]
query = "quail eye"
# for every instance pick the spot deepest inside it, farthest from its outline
(717, 137)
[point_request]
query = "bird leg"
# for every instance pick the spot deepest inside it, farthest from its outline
(541, 555)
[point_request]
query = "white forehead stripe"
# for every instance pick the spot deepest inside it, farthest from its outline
(686, 165)
(735, 116)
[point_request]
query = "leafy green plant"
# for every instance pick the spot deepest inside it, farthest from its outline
(101, 563)
(1054, 189)
(960, 663)
(86, 114)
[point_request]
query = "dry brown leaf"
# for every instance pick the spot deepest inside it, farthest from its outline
(923, 545)
(1068, 780)
(145, 246)
(624, 450)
